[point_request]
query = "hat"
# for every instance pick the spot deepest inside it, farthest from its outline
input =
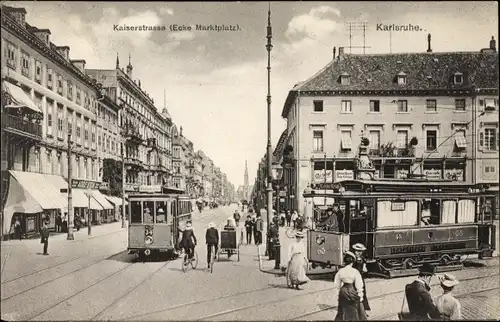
(188, 223)
(211, 225)
(299, 234)
(349, 253)
(448, 280)
(359, 247)
(426, 269)
(160, 210)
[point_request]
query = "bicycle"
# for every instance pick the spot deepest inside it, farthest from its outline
(290, 232)
(186, 261)
(212, 258)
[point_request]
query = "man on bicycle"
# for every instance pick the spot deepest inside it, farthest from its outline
(188, 241)
(212, 240)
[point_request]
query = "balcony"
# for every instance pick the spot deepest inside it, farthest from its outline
(390, 151)
(134, 163)
(152, 143)
(21, 127)
(132, 133)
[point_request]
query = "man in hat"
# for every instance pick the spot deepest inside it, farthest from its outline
(212, 241)
(160, 216)
(418, 297)
(259, 227)
(447, 304)
(44, 234)
(188, 241)
(340, 218)
(249, 228)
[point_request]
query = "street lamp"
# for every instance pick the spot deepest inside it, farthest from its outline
(277, 172)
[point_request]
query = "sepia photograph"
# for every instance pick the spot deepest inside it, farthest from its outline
(249, 161)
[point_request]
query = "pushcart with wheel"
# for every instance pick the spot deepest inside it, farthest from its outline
(229, 244)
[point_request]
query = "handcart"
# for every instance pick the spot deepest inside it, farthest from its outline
(229, 244)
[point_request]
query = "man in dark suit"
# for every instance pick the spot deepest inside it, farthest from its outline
(45, 237)
(418, 297)
(249, 228)
(212, 239)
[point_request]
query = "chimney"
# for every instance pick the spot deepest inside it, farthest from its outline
(63, 51)
(42, 34)
(429, 49)
(181, 130)
(19, 14)
(80, 64)
(117, 61)
(493, 44)
(139, 83)
(334, 52)
(341, 53)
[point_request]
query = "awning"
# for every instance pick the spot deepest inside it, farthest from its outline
(19, 98)
(460, 141)
(346, 142)
(115, 200)
(81, 200)
(101, 200)
(30, 193)
(59, 183)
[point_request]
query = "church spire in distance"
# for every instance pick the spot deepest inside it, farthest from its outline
(246, 192)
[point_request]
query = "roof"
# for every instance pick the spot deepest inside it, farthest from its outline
(280, 144)
(379, 73)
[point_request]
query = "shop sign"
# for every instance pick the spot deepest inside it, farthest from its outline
(131, 187)
(150, 189)
(84, 184)
(282, 193)
(341, 175)
(397, 206)
(433, 174)
(104, 186)
(402, 173)
(454, 174)
(320, 176)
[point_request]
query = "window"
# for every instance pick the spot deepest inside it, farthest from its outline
(11, 54)
(59, 84)
(431, 140)
(402, 139)
(38, 71)
(86, 132)
(490, 103)
(374, 138)
(49, 78)
(99, 140)
(346, 107)
(25, 64)
(431, 106)
(318, 106)
(401, 80)
(403, 106)
(346, 140)
(488, 139)
(60, 120)
(135, 212)
(375, 106)
(458, 78)
(78, 96)
(460, 104)
(69, 86)
(78, 128)
(460, 139)
(345, 79)
(93, 135)
(49, 118)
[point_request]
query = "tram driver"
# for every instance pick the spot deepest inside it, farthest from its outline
(426, 213)
(148, 216)
(160, 216)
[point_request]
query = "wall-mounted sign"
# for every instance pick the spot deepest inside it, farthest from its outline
(150, 189)
(131, 187)
(282, 193)
(322, 176)
(104, 186)
(454, 174)
(432, 174)
(85, 184)
(397, 206)
(341, 175)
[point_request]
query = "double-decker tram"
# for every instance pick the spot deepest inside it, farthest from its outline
(402, 223)
(155, 223)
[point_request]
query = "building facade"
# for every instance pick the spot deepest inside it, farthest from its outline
(421, 112)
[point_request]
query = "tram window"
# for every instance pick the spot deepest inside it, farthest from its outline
(387, 217)
(466, 211)
(135, 212)
(448, 212)
(161, 212)
(148, 210)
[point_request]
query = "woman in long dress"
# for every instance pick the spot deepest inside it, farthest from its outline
(297, 263)
(360, 265)
(350, 285)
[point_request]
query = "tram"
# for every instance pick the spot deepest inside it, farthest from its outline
(155, 223)
(403, 224)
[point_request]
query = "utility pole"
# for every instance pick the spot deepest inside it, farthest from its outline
(123, 187)
(70, 193)
(269, 189)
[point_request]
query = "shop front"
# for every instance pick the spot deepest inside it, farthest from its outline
(455, 170)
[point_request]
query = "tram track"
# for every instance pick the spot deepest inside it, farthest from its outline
(50, 267)
(380, 296)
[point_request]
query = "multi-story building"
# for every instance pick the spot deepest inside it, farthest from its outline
(108, 134)
(197, 173)
(40, 77)
(147, 133)
(178, 158)
(422, 114)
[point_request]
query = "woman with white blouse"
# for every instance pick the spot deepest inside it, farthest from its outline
(349, 282)
(297, 262)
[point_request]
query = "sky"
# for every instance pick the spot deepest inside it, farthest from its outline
(216, 82)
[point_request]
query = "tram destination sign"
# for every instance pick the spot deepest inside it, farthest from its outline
(85, 184)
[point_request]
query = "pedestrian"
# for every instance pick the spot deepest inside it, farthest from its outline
(299, 222)
(448, 306)
(350, 285)
(288, 217)
(297, 263)
(295, 215)
(418, 296)
(360, 265)
(248, 229)
(44, 233)
(17, 229)
(77, 222)
(65, 223)
(282, 219)
(58, 223)
(212, 241)
(340, 218)
(259, 227)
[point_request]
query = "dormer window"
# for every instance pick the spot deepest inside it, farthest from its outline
(345, 79)
(401, 78)
(458, 78)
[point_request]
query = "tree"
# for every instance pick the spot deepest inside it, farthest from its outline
(112, 173)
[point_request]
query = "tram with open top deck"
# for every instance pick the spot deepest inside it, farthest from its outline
(156, 221)
(402, 223)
